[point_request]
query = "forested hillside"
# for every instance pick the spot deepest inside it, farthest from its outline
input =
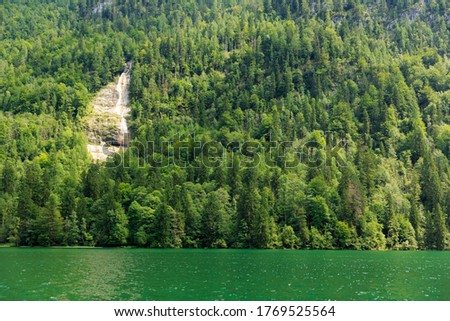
(255, 123)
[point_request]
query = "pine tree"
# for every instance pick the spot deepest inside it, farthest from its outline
(440, 229)
(49, 223)
(416, 215)
(436, 230)
(431, 195)
(9, 177)
(215, 220)
(247, 207)
(350, 190)
(263, 236)
(71, 229)
(162, 226)
(233, 175)
(25, 212)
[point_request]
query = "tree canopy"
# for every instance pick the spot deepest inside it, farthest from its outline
(296, 124)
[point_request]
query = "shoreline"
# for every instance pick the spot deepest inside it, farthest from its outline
(3, 246)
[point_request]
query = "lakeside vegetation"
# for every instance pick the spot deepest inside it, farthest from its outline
(374, 74)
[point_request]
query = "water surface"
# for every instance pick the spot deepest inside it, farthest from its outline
(147, 274)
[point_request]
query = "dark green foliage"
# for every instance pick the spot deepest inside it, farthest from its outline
(216, 220)
(436, 232)
(163, 227)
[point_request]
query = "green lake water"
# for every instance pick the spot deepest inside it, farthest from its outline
(147, 274)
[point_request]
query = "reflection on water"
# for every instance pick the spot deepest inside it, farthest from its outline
(102, 276)
(144, 274)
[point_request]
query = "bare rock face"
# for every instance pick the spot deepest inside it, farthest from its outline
(101, 6)
(106, 125)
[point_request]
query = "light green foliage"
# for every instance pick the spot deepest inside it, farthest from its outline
(319, 240)
(401, 234)
(344, 236)
(318, 212)
(288, 237)
(373, 237)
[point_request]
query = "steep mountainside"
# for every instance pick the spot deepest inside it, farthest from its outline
(256, 123)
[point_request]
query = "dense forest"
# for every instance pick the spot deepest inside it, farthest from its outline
(255, 123)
